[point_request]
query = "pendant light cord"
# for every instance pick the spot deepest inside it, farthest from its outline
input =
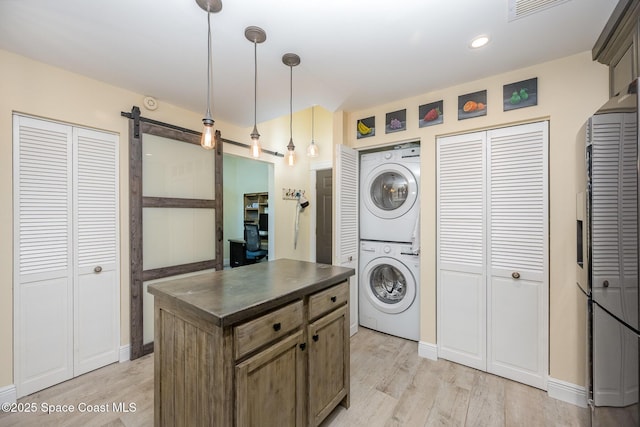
(313, 120)
(291, 102)
(255, 82)
(209, 66)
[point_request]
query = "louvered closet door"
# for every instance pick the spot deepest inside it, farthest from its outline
(461, 249)
(517, 253)
(43, 286)
(96, 291)
(66, 279)
(346, 227)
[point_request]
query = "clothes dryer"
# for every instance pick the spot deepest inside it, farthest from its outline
(389, 289)
(389, 195)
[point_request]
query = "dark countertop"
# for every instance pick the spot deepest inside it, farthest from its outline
(228, 297)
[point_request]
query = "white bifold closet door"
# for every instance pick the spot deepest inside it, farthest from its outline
(346, 227)
(493, 251)
(66, 287)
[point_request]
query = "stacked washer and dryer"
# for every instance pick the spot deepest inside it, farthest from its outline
(389, 270)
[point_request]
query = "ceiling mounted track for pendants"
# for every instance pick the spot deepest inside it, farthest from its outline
(212, 6)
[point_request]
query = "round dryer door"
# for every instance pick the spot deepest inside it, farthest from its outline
(390, 191)
(390, 286)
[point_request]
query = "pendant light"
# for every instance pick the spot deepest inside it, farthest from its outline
(208, 140)
(291, 60)
(312, 149)
(255, 35)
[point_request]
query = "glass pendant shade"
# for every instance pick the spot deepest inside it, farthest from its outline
(291, 60)
(291, 154)
(312, 149)
(208, 141)
(255, 35)
(255, 143)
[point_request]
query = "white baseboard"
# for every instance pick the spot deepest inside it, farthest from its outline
(567, 392)
(428, 350)
(8, 394)
(353, 329)
(125, 353)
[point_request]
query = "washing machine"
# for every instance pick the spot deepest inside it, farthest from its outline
(389, 196)
(388, 292)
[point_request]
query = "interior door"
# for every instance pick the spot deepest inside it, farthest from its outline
(492, 259)
(346, 226)
(461, 259)
(518, 253)
(96, 230)
(324, 222)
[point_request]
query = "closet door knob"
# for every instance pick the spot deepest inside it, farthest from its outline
(98, 269)
(515, 275)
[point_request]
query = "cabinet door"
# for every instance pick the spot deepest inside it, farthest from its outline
(270, 386)
(328, 364)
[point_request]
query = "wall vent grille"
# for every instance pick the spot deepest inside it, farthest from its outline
(521, 8)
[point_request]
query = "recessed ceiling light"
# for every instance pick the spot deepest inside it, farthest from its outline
(479, 41)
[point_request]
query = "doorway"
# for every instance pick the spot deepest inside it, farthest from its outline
(324, 222)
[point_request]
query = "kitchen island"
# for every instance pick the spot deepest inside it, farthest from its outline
(261, 345)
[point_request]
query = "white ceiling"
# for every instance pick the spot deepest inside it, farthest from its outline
(354, 53)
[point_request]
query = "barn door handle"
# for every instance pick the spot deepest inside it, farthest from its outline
(98, 269)
(515, 275)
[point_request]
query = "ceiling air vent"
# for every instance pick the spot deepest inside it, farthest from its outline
(521, 8)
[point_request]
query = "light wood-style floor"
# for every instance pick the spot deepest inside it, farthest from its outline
(390, 386)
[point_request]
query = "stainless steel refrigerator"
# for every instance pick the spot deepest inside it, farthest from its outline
(607, 249)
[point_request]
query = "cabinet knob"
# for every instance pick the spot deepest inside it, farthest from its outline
(515, 275)
(334, 298)
(277, 326)
(605, 283)
(315, 337)
(303, 346)
(98, 269)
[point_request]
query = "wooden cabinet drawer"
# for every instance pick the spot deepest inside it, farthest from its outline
(329, 299)
(254, 334)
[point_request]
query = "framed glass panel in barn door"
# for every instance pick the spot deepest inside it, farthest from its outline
(175, 214)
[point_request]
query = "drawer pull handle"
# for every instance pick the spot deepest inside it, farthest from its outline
(515, 275)
(98, 269)
(303, 346)
(334, 299)
(605, 283)
(277, 326)
(315, 337)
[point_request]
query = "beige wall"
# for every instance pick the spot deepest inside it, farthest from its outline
(569, 90)
(37, 89)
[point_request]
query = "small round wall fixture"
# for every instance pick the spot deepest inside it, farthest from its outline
(212, 6)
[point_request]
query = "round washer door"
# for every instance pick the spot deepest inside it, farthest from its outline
(390, 190)
(389, 285)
